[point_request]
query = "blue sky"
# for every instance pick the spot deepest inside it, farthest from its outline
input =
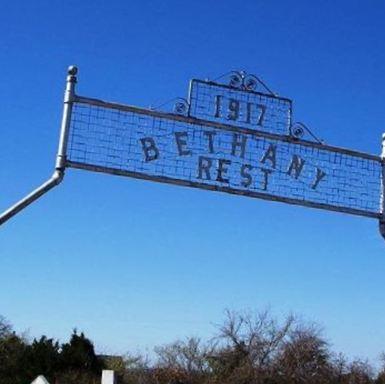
(134, 263)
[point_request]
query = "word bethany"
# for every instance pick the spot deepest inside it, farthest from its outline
(213, 168)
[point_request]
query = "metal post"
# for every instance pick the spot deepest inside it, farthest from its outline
(60, 165)
(382, 218)
(66, 120)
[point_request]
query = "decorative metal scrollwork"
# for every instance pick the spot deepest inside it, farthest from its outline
(177, 105)
(236, 79)
(245, 81)
(250, 82)
(298, 130)
(181, 107)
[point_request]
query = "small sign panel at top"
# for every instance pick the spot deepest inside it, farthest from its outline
(239, 107)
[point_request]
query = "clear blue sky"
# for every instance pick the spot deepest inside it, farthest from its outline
(134, 263)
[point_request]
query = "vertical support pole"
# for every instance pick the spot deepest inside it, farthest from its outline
(66, 119)
(382, 217)
(58, 174)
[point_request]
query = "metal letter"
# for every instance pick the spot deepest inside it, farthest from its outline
(204, 166)
(246, 175)
(270, 155)
(237, 143)
(218, 106)
(266, 173)
(248, 112)
(150, 150)
(320, 175)
(233, 109)
(181, 142)
(210, 135)
(222, 170)
(262, 108)
(296, 165)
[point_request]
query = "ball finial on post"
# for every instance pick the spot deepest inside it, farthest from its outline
(72, 70)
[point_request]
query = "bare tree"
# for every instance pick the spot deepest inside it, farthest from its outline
(360, 372)
(340, 369)
(189, 355)
(248, 345)
(305, 357)
(135, 370)
(381, 374)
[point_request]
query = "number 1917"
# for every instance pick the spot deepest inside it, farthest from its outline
(235, 110)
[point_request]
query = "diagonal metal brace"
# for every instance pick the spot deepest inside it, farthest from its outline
(60, 165)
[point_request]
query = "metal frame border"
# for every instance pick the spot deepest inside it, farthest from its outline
(196, 121)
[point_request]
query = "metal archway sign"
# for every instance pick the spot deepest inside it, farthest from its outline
(237, 137)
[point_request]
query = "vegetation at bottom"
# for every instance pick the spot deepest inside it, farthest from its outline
(248, 348)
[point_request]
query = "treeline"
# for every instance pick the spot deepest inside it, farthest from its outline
(247, 349)
(22, 361)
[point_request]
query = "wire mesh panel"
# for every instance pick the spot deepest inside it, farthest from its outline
(152, 145)
(239, 107)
